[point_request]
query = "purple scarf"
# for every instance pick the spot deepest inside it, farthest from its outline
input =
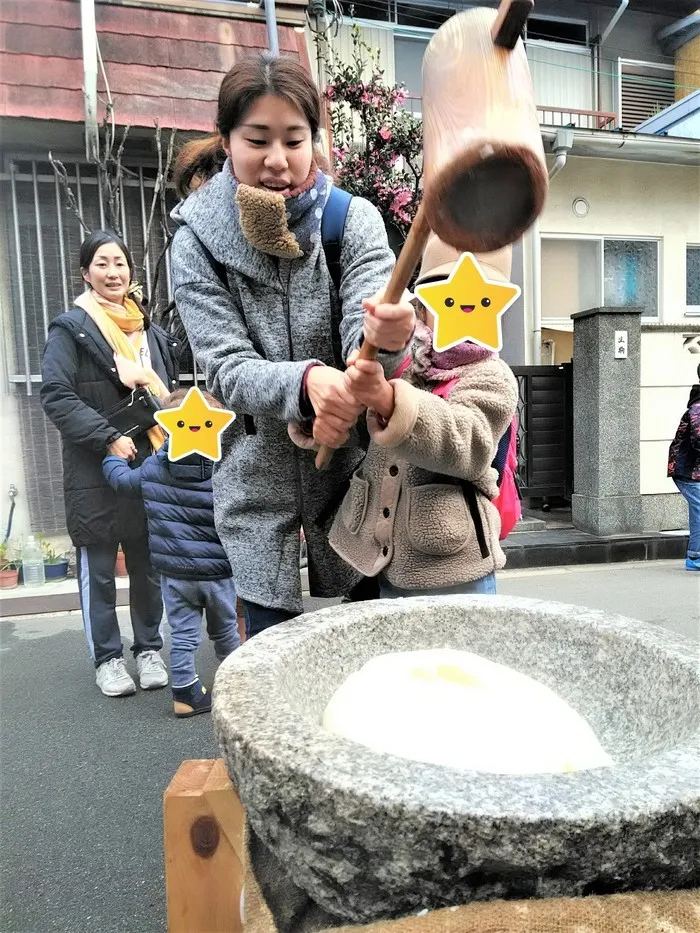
(441, 367)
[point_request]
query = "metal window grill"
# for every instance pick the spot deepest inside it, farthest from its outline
(43, 240)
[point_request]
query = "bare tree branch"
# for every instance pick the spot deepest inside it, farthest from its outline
(71, 203)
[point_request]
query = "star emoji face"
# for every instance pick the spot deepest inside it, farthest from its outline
(194, 427)
(467, 306)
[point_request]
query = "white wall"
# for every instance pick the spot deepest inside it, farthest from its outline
(631, 199)
(668, 371)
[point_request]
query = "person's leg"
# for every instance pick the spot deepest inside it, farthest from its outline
(145, 599)
(222, 621)
(691, 493)
(184, 601)
(98, 602)
(261, 617)
(367, 588)
(485, 586)
(183, 610)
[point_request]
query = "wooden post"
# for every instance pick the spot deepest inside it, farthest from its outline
(204, 850)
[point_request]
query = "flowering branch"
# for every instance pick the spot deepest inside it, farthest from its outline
(377, 143)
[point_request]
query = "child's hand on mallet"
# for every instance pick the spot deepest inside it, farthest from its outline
(386, 326)
(365, 381)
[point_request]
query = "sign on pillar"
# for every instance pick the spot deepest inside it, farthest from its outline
(620, 344)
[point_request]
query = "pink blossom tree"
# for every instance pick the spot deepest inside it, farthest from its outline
(377, 144)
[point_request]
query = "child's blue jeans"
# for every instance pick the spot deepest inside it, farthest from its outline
(184, 602)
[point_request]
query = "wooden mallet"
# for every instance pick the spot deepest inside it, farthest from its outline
(485, 175)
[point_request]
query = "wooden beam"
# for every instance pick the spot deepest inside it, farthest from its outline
(204, 850)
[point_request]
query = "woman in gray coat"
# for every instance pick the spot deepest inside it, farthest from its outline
(254, 292)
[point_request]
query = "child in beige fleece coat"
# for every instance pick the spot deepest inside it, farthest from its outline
(418, 512)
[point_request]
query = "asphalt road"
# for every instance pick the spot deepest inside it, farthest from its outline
(82, 776)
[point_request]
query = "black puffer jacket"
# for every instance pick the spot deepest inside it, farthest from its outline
(80, 382)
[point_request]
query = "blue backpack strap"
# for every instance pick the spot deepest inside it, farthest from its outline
(332, 229)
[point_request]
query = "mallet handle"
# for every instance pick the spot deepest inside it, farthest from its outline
(409, 257)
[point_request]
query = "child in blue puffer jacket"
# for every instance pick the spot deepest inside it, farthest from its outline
(186, 550)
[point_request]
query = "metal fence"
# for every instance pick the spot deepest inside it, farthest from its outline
(43, 243)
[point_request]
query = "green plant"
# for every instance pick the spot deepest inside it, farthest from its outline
(7, 559)
(50, 554)
(377, 144)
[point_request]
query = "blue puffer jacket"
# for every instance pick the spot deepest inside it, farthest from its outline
(180, 512)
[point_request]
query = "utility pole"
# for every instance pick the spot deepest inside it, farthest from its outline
(89, 35)
(271, 20)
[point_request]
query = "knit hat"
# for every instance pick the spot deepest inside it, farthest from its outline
(439, 260)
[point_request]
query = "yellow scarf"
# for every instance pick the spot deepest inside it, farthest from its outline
(114, 322)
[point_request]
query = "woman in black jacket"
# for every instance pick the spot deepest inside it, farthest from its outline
(95, 354)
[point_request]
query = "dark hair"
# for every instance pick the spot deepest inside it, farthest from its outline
(249, 79)
(100, 238)
(178, 396)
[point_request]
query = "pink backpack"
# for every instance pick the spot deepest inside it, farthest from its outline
(508, 499)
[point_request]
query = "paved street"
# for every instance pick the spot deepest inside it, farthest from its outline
(83, 775)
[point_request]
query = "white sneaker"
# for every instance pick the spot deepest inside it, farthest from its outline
(151, 670)
(113, 679)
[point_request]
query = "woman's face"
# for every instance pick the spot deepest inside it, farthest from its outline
(109, 273)
(272, 147)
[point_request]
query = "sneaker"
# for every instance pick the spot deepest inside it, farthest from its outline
(113, 679)
(151, 670)
(191, 701)
(692, 563)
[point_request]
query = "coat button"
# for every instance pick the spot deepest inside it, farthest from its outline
(385, 550)
(114, 369)
(81, 335)
(393, 470)
(386, 513)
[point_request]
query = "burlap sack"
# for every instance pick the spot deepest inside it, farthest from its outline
(667, 912)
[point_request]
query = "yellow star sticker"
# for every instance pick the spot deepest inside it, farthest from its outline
(467, 306)
(194, 427)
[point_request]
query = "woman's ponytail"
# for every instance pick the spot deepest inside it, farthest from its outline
(197, 162)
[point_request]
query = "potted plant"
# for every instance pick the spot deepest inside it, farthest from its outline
(120, 566)
(9, 567)
(55, 564)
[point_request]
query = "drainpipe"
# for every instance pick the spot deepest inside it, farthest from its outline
(563, 142)
(89, 34)
(271, 20)
(613, 22)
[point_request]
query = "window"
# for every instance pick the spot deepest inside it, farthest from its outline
(408, 63)
(631, 275)
(692, 280)
(425, 15)
(644, 89)
(369, 9)
(557, 30)
(580, 273)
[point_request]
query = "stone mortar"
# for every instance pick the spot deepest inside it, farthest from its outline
(371, 836)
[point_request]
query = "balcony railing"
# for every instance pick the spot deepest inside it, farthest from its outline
(578, 119)
(549, 116)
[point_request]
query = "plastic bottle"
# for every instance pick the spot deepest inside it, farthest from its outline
(33, 563)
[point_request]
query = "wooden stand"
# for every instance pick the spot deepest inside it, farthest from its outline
(204, 850)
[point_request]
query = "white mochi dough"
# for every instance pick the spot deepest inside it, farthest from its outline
(460, 710)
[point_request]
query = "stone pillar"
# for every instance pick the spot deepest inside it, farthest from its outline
(606, 499)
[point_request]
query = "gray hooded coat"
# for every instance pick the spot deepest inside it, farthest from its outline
(254, 343)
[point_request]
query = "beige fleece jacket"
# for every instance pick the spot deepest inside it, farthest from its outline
(406, 513)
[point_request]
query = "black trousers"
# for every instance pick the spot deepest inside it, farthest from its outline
(258, 617)
(98, 598)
